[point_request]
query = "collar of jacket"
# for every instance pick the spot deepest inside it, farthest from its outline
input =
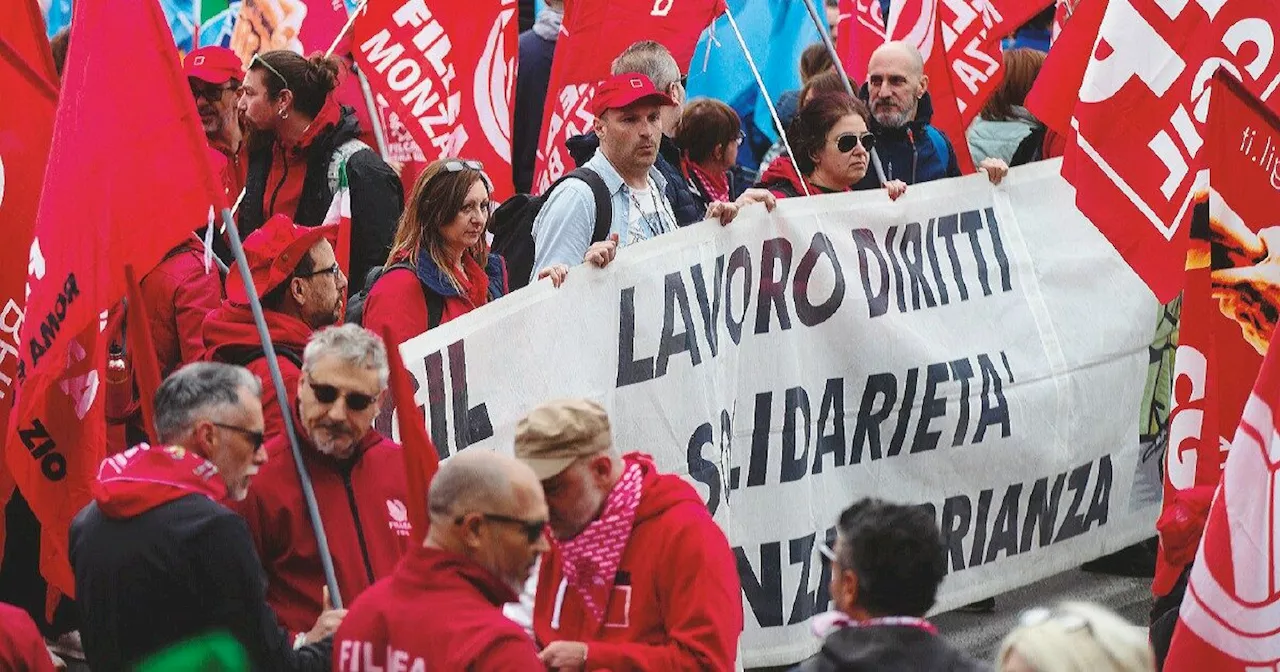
(613, 179)
(313, 455)
(429, 274)
(431, 567)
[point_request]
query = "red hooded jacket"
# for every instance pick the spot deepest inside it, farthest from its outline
(179, 295)
(21, 647)
(781, 179)
(438, 611)
(231, 337)
(361, 505)
(677, 604)
(398, 300)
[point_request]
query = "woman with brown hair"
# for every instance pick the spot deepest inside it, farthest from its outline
(1004, 122)
(440, 266)
(708, 137)
(300, 140)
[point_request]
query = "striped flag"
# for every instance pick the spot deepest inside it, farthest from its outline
(340, 214)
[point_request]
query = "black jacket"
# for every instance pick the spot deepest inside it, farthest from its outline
(532, 79)
(376, 196)
(909, 153)
(683, 204)
(888, 648)
(181, 569)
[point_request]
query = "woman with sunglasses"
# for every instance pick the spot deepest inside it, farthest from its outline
(300, 141)
(831, 145)
(1075, 637)
(440, 267)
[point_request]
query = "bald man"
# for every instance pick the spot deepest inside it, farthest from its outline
(442, 608)
(909, 148)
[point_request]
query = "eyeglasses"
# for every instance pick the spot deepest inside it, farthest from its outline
(209, 92)
(327, 394)
(257, 59)
(532, 528)
(256, 438)
(848, 141)
(332, 270)
(461, 165)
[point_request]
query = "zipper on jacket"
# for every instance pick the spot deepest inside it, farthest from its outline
(271, 209)
(355, 516)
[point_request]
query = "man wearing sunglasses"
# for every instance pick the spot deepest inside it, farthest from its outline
(215, 74)
(639, 577)
(886, 565)
(442, 608)
(297, 278)
(357, 475)
(158, 557)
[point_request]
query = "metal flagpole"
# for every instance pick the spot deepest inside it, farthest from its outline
(844, 79)
(269, 352)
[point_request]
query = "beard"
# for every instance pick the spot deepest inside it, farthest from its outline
(892, 116)
(334, 441)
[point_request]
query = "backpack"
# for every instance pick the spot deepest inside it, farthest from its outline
(512, 224)
(242, 356)
(355, 305)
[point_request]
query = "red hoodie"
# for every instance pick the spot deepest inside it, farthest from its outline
(231, 337)
(289, 164)
(361, 505)
(439, 611)
(677, 603)
(781, 179)
(21, 647)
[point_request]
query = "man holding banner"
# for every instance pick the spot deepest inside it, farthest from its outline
(604, 595)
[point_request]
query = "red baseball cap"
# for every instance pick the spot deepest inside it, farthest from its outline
(215, 65)
(625, 89)
(273, 253)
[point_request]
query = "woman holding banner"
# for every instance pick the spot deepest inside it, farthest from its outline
(709, 135)
(440, 266)
(831, 145)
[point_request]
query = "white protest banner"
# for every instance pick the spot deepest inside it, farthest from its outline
(980, 351)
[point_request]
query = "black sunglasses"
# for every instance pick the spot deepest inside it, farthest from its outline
(459, 166)
(327, 394)
(332, 270)
(256, 438)
(848, 141)
(210, 92)
(532, 528)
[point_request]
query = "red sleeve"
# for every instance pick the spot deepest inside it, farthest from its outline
(196, 296)
(514, 652)
(272, 415)
(396, 303)
(21, 647)
(704, 608)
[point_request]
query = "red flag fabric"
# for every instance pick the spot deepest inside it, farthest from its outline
(22, 27)
(862, 29)
(1053, 98)
(591, 36)
(449, 73)
(146, 367)
(109, 199)
(1061, 12)
(1140, 116)
(421, 461)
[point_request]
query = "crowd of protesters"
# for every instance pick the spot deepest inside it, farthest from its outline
(206, 530)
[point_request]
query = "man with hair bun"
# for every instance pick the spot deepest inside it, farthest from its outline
(300, 140)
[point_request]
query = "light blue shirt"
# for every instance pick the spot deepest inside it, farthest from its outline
(563, 228)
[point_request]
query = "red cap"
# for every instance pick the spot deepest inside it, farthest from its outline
(273, 253)
(214, 65)
(625, 89)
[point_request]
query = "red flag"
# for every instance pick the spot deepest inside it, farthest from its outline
(1061, 12)
(449, 73)
(1140, 116)
(109, 199)
(862, 30)
(591, 36)
(26, 126)
(146, 368)
(1053, 98)
(421, 461)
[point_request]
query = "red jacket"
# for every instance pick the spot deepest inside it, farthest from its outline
(683, 607)
(231, 337)
(398, 301)
(781, 179)
(439, 611)
(231, 168)
(21, 647)
(363, 511)
(179, 296)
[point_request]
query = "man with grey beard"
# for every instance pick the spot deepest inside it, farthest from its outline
(358, 476)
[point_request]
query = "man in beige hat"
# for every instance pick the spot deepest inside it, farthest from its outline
(638, 576)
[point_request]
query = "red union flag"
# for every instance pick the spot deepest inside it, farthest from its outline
(862, 29)
(448, 72)
(591, 36)
(1140, 114)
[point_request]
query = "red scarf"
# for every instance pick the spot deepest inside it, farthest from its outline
(591, 559)
(142, 478)
(716, 187)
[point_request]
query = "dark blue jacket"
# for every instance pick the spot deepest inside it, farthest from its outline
(532, 79)
(911, 153)
(684, 205)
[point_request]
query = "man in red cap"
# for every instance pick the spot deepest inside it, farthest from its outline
(297, 278)
(215, 74)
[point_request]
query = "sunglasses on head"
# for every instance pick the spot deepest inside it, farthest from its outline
(532, 528)
(848, 141)
(328, 394)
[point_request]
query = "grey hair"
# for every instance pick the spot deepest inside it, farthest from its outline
(197, 391)
(650, 59)
(465, 485)
(350, 343)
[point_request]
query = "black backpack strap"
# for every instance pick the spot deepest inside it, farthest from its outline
(435, 302)
(243, 356)
(604, 201)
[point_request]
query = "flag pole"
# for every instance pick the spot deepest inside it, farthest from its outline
(379, 136)
(844, 79)
(269, 353)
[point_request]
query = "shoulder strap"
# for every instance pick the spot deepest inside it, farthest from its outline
(604, 202)
(939, 144)
(435, 302)
(340, 157)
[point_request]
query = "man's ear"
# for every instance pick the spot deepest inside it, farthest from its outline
(924, 86)
(298, 290)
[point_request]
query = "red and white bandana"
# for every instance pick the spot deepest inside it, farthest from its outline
(591, 559)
